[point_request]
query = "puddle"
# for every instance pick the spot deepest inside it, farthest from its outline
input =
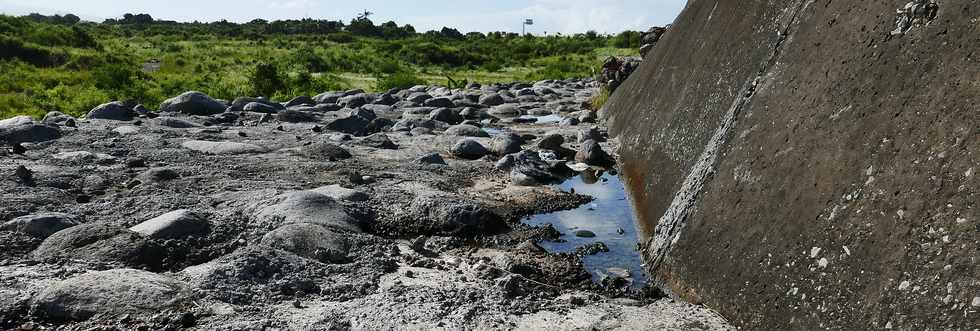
(610, 217)
(493, 131)
(546, 119)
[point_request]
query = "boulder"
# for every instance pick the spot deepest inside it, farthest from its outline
(325, 151)
(491, 99)
(222, 147)
(177, 224)
(362, 112)
(504, 111)
(506, 143)
(299, 101)
(591, 153)
(418, 97)
(465, 130)
(433, 158)
(591, 133)
(58, 118)
(354, 125)
(385, 99)
(439, 214)
(112, 292)
(160, 174)
(295, 116)
(552, 141)
(441, 102)
(530, 170)
(14, 132)
(469, 149)
(378, 140)
(310, 241)
(341, 193)
(176, 123)
(445, 115)
(262, 107)
(353, 101)
(328, 97)
(117, 111)
(101, 242)
(308, 207)
(41, 225)
(193, 103)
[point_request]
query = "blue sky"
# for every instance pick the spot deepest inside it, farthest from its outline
(565, 16)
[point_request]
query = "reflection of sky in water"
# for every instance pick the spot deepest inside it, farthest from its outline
(546, 119)
(606, 215)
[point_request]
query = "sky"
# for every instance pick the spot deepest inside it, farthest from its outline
(550, 16)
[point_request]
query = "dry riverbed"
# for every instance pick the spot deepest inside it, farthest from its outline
(342, 211)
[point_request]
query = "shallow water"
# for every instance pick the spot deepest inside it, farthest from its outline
(545, 119)
(610, 216)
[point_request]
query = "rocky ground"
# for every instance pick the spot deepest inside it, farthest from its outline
(347, 210)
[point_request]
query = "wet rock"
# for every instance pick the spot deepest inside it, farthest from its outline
(465, 130)
(117, 111)
(552, 141)
(159, 174)
(295, 116)
(445, 115)
(505, 163)
(449, 215)
(433, 158)
(569, 121)
(506, 143)
(193, 103)
(591, 133)
(57, 117)
(308, 207)
(379, 141)
(262, 107)
(530, 170)
(584, 234)
(101, 243)
(591, 153)
(341, 193)
(110, 292)
(41, 225)
(176, 123)
(174, 225)
(325, 151)
(310, 241)
(469, 149)
(222, 147)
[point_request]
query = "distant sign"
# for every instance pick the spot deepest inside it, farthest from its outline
(529, 22)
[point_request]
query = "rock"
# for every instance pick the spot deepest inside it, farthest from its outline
(471, 113)
(584, 234)
(177, 224)
(491, 99)
(450, 215)
(30, 132)
(418, 97)
(308, 207)
(445, 115)
(310, 241)
(159, 175)
(193, 103)
(325, 151)
(421, 132)
(57, 117)
(530, 170)
(110, 292)
(408, 124)
(117, 111)
(175, 123)
(441, 102)
(101, 242)
(591, 153)
(433, 158)
(506, 143)
(248, 267)
(552, 141)
(465, 130)
(261, 107)
(378, 140)
(126, 130)
(300, 100)
(84, 157)
(385, 99)
(222, 147)
(341, 193)
(505, 111)
(328, 97)
(505, 163)
(353, 101)
(568, 121)
(295, 116)
(41, 225)
(469, 149)
(589, 134)
(354, 125)
(587, 116)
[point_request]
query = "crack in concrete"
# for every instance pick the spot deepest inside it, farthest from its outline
(670, 225)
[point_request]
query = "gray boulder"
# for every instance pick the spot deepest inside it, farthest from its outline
(591, 133)
(41, 225)
(441, 102)
(464, 130)
(591, 153)
(310, 241)
(378, 140)
(491, 99)
(300, 100)
(328, 97)
(505, 111)
(308, 207)
(262, 107)
(174, 225)
(117, 111)
(341, 193)
(193, 103)
(295, 116)
(222, 147)
(469, 149)
(101, 242)
(28, 133)
(325, 151)
(445, 115)
(160, 174)
(59, 118)
(433, 158)
(439, 214)
(353, 101)
(176, 123)
(552, 141)
(506, 143)
(110, 292)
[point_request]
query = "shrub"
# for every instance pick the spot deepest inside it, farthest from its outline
(600, 99)
(266, 80)
(402, 80)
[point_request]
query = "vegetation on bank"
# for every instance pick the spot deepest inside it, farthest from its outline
(57, 63)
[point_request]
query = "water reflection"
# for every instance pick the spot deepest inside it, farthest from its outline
(610, 216)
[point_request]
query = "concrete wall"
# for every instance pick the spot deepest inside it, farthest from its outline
(806, 169)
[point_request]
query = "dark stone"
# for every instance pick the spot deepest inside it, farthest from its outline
(378, 140)
(433, 158)
(325, 151)
(117, 111)
(193, 103)
(469, 149)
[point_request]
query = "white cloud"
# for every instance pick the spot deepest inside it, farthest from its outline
(292, 4)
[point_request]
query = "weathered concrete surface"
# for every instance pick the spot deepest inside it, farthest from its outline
(805, 168)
